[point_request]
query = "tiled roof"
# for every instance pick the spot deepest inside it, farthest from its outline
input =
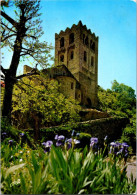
(60, 70)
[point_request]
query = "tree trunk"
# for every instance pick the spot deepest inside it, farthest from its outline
(10, 76)
(7, 101)
(10, 80)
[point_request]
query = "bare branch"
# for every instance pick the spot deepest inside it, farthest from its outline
(27, 49)
(2, 40)
(13, 22)
(10, 29)
(28, 74)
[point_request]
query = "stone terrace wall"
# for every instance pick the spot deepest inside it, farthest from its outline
(112, 127)
(91, 114)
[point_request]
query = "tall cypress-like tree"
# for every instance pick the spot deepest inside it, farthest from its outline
(21, 35)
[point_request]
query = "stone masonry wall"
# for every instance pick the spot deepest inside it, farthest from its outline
(112, 127)
(84, 63)
(68, 86)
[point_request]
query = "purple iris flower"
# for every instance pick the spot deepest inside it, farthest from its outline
(4, 133)
(44, 143)
(59, 143)
(110, 151)
(119, 149)
(106, 137)
(113, 144)
(76, 141)
(94, 143)
(47, 144)
(21, 134)
(60, 140)
(61, 137)
(69, 140)
(94, 139)
(69, 145)
(10, 142)
(47, 149)
(56, 137)
(125, 145)
(118, 144)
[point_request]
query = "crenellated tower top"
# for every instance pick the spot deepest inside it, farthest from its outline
(73, 27)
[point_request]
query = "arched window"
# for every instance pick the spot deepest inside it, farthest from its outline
(72, 55)
(85, 56)
(62, 58)
(62, 42)
(92, 61)
(71, 38)
(86, 40)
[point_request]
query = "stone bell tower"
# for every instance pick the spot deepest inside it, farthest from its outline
(77, 49)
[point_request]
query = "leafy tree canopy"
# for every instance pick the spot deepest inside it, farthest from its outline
(39, 98)
(120, 100)
(122, 88)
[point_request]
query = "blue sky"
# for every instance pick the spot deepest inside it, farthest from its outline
(114, 21)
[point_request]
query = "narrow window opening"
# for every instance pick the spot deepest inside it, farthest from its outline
(93, 46)
(85, 56)
(72, 85)
(62, 42)
(91, 42)
(86, 40)
(71, 55)
(71, 38)
(62, 58)
(92, 61)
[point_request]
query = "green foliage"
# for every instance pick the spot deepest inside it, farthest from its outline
(120, 100)
(9, 129)
(39, 99)
(55, 173)
(127, 91)
(117, 103)
(129, 134)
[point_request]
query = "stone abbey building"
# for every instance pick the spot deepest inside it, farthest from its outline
(76, 64)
